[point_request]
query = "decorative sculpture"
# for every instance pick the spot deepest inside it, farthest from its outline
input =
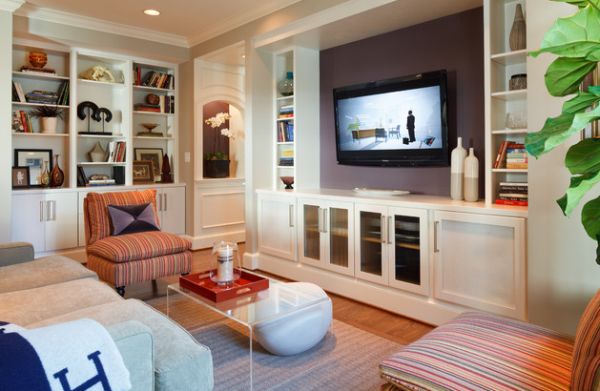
(98, 73)
(103, 114)
(90, 110)
(166, 170)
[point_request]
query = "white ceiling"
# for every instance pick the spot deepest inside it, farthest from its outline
(190, 20)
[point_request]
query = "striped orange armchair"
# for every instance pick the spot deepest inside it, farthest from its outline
(126, 259)
(479, 351)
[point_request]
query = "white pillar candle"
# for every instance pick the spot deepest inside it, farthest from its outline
(225, 264)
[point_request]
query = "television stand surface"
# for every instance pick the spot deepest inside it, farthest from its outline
(380, 192)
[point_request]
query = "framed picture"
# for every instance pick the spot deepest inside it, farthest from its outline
(143, 171)
(155, 155)
(20, 177)
(34, 159)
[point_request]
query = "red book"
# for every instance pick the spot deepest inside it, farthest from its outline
(512, 202)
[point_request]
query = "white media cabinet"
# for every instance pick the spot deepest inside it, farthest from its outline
(424, 257)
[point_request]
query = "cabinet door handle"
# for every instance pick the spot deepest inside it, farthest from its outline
(320, 220)
(291, 215)
(435, 237)
(390, 229)
(48, 211)
(166, 206)
(53, 210)
(159, 201)
(383, 233)
(41, 211)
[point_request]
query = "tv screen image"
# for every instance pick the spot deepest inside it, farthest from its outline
(393, 122)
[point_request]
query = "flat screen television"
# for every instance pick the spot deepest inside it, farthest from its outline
(394, 122)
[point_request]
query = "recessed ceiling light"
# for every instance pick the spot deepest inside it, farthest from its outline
(151, 12)
(243, 56)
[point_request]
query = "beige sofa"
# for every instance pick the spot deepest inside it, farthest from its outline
(159, 354)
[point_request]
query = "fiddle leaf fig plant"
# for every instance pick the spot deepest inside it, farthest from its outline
(576, 42)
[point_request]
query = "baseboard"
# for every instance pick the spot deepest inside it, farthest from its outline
(201, 242)
(423, 308)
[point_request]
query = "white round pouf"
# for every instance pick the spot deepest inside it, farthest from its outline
(299, 331)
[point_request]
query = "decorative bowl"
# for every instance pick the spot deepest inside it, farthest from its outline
(152, 99)
(288, 181)
(38, 59)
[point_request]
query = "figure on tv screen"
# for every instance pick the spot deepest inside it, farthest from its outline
(410, 125)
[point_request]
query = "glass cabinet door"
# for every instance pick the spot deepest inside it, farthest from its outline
(408, 255)
(338, 236)
(372, 245)
(312, 232)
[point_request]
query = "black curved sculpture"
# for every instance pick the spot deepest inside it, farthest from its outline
(85, 109)
(103, 114)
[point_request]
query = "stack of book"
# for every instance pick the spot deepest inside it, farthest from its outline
(83, 180)
(287, 158)
(41, 96)
(22, 122)
(166, 105)
(116, 152)
(285, 131)
(513, 193)
(286, 111)
(39, 71)
(154, 79)
(511, 155)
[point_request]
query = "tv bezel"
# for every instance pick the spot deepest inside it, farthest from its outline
(396, 158)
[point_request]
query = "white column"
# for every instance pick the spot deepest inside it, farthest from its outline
(7, 7)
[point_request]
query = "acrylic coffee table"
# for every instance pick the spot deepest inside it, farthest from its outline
(281, 315)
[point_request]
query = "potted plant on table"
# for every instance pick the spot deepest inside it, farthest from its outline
(576, 42)
(49, 116)
(216, 164)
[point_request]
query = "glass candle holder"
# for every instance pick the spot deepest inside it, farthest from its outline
(225, 263)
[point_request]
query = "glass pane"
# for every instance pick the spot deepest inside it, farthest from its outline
(370, 243)
(408, 253)
(312, 236)
(338, 237)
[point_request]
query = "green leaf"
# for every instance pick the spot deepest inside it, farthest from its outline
(581, 102)
(578, 188)
(557, 130)
(590, 218)
(584, 157)
(576, 36)
(564, 75)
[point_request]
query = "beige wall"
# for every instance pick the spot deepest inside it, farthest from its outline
(6, 117)
(186, 138)
(562, 272)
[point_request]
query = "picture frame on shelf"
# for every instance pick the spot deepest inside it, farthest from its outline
(33, 159)
(20, 178)
(155, 155)
(143, 171)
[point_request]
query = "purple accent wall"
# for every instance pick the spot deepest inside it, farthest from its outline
(454, 43)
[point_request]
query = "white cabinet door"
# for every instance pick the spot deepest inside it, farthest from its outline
(371, 249)
(338, 236)
(311, 244)
(172, 209)
(277, 226)
(480, 262)
(28, 215)
(61, 228)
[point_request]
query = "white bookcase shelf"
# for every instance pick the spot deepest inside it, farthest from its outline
(38, 76)
(501, 103)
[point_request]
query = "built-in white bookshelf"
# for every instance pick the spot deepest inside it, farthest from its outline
(285, 129)
(74, 137)
(506, 108)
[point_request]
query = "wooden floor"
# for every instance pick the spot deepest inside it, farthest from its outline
(376, 321)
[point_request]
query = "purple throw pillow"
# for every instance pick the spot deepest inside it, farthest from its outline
(130, 219)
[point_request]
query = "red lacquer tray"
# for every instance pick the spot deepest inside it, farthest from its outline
(201, 284)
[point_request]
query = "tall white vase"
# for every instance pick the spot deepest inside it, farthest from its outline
(457, 161)
(471, 187)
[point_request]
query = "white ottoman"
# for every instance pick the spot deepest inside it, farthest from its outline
(298, 331)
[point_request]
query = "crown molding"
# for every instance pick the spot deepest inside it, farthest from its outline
(11, 5)
(70, 19)
(235, 21)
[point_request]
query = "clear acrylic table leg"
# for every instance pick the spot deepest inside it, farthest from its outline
(251, 363)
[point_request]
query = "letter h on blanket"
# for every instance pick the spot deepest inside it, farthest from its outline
(99, 378)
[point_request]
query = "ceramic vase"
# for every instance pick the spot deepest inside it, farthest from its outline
(45, 175)
(286, 86)
(457, 161)
(471, 178)
(166, 170)
(49, 124)
(517, 39)
(57, 176)
(97, 154)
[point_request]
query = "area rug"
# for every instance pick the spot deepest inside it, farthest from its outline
(346, 359)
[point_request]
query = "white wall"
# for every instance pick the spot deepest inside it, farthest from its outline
(5, 123)
(236, 145)
(562, 272)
